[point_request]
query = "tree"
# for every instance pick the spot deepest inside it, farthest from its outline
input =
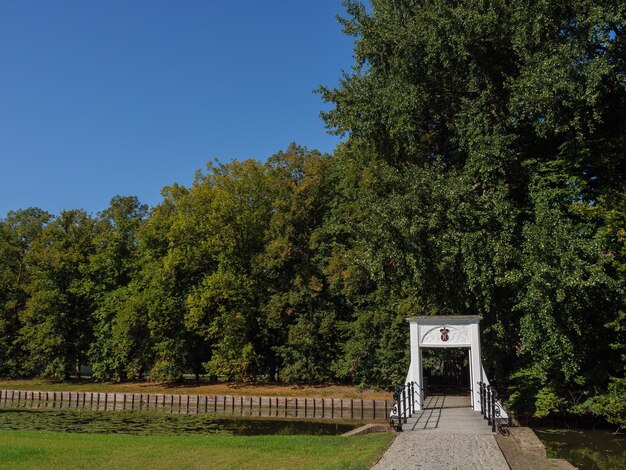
(513, 114)
(229, 208)
(17, 233)
(111, 269)
(57, 321)
(299, 316)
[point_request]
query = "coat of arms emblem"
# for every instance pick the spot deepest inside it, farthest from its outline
(444, 334)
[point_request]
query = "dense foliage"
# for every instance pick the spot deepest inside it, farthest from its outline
(483, 173)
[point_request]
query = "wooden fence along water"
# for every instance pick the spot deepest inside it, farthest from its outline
(284, 407)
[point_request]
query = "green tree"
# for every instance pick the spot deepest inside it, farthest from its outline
(299, 316)
(229, 207)
(484, 133)
(17, 232)
(111, 269)
(158, 293)
(57, 321)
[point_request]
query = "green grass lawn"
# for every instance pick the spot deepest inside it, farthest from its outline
(46, 450)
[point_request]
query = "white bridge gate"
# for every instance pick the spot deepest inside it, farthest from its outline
(456, 331)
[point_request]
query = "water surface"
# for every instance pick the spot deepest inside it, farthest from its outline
(154, 423)
(585, 449)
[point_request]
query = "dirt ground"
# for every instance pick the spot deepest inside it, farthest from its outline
(192, 387)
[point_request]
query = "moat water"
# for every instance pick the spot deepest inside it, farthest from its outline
(154, 423)
(584, 448)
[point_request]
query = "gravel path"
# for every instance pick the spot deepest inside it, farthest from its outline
(436, 450)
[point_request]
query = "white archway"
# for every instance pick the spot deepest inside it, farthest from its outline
(446, 332)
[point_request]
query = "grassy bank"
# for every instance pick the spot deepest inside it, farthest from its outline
(200, 388)
(43, 449)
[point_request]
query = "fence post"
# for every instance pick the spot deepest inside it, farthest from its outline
(483, 402)
(489, 405)
(494, 397)
(404, 403)
(397, 398)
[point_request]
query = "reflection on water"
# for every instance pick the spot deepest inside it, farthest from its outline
(585, 449)
(153, 423)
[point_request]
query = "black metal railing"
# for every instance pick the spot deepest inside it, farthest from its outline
(404, 398)
(490, 408)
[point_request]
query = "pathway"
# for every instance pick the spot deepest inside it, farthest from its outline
(446, 434)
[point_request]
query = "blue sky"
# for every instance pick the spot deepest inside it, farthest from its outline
(99, 98)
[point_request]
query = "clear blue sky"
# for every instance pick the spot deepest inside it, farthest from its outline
(99, 98)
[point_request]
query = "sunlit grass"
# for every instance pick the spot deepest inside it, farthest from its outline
(46, 450)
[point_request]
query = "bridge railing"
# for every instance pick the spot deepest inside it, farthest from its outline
(491, 408)
(404, 398)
